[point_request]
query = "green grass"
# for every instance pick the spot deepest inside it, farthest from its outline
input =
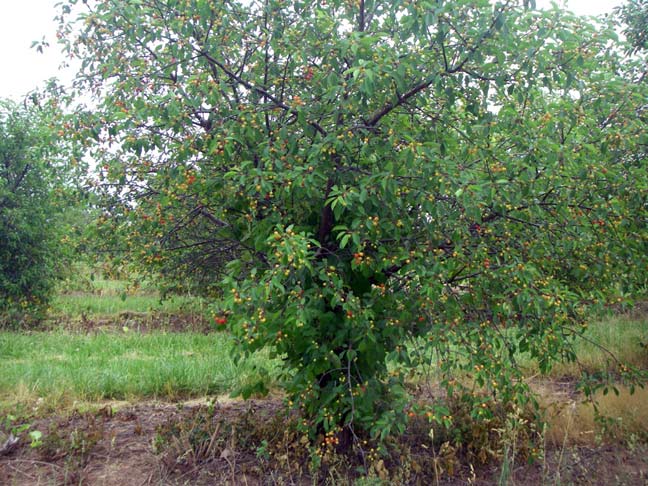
(80, 366)
(119, 365)
(102, 285)
(624, 338)
(606, 340)
(87, 293)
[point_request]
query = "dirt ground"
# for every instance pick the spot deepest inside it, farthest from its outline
(232, 442)
(105, 448)
(191, 443)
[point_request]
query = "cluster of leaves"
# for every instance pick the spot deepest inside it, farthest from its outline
(635, 17)
(35, 193)
(376, 183)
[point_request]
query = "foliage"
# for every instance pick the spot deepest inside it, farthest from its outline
(374, 177)
(634, 14)
(34, 195)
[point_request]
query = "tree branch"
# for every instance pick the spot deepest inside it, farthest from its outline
(278, 103)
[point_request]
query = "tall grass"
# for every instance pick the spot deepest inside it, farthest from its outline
(121, 365)
(105, 305)
(576, 422)
(605, 341)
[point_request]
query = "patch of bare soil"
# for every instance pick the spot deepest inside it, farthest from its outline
(607, 464)
(92, 448)
(116, 447)
(255, 443)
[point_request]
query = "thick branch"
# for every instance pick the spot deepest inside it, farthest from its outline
(401, 99)
(327, 218)
(389, 107)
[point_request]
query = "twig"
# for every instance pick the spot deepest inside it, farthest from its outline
(213, 439)
(29, 461)
(23, 473)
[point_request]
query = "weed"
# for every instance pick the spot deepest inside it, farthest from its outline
(12, 425)
(12, 430)
(561, 453)
(36, 437)
(262, 451)
(514, 423)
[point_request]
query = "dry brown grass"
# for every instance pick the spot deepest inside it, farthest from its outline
(574, 422)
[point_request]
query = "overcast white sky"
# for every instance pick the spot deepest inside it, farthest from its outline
(24, 21)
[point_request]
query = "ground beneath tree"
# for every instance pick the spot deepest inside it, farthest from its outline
(231, 442)
(192, 443)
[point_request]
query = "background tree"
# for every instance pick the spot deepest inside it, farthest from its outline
(35, 193)
(377, 182)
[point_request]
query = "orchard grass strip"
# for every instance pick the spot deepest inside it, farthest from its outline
(101, 305)
(118, 366)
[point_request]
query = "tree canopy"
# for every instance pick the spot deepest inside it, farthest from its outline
(373, 184)
(634, 14)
